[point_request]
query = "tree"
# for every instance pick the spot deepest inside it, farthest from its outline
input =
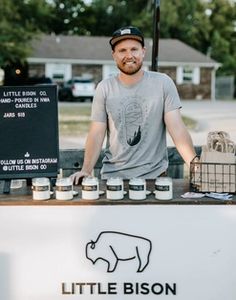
(222, 34)
(108, 15)
(69, 17)
(20, 21)
(208, 26)
(102, 17)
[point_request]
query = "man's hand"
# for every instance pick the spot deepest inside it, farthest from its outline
(77, 177)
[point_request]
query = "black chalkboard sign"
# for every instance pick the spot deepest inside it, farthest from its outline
(29, 144)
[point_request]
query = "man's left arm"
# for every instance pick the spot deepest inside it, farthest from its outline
(180, 135)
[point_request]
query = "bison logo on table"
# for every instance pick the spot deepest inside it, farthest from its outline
(113, 246)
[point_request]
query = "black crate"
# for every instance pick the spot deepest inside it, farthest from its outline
(212, 177)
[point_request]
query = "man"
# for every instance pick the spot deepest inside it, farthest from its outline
(133, 109)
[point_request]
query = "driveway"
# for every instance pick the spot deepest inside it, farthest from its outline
(211, 116)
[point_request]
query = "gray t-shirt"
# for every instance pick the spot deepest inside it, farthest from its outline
(136, 133)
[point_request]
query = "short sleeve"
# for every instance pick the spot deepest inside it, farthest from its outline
(98, 113)
(171, 96)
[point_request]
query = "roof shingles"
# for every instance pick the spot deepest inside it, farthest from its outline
(98, 49)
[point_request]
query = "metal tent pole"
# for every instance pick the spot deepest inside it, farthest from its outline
(156, 29)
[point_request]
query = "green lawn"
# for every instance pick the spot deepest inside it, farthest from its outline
(74, 120)
(75, 110)
(189, 122)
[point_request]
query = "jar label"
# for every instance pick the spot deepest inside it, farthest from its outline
(89, 188)
(162, 188)
(114, 188)
(64, 188)
(41, 188)
(133, 187)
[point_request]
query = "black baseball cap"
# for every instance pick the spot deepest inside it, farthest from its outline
(128, 32)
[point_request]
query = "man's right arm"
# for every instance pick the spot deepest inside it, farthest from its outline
(93, 148)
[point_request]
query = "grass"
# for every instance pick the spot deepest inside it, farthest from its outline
(75, 110)
(75, 120)
(190, 123)
(72, 128)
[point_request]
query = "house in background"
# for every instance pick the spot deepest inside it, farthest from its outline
(62, 57)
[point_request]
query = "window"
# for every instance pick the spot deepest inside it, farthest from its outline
(58, 72)
(58, 77)
(187, 74)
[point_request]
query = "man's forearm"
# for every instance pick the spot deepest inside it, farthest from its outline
(185, 146)
(92, 152)
(93, 146)
(180, 136)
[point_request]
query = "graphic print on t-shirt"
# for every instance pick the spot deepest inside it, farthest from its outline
(133, 121)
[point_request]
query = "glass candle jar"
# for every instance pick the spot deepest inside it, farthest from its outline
(64, 189)
(90, 188)
(137, 189)
(163, 188)
(41, 188)
(115, 189)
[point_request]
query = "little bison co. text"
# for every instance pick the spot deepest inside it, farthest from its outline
(113, 288)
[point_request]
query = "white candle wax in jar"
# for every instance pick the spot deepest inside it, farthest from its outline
(163, 188)
(115, 188)
(90, 188)
(41, 188)
(64, 189)
(137, 189)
